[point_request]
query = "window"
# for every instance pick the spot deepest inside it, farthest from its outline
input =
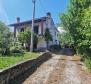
(55, 33)
(22, 29)
(36, 29)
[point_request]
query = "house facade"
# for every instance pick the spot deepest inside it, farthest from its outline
(40, 25)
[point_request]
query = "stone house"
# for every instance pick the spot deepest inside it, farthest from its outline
(40, 24)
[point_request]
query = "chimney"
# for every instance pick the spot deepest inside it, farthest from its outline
(18, 19)
(48, 14)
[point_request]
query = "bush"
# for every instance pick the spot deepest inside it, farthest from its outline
(0, 50)
(16, 48)
(86, 58)
(87, 62)
(5, 39)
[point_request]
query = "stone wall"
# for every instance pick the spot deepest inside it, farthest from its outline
(16, 70)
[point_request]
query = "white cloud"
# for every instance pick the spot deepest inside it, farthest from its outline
(3, 14)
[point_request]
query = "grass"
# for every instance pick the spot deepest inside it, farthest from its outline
(87, 62)
(86, 58)
(7, 61)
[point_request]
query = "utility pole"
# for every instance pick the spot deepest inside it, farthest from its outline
(32, 30)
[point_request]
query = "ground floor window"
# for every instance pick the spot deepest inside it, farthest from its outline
(36, 29)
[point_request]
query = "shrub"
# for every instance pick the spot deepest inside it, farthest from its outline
(5, 39)
(16, 48)
(0, 50)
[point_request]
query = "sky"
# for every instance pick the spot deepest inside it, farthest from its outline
(11, 9)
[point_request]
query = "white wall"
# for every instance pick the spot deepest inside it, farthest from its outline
(41, 43)
(53, 31)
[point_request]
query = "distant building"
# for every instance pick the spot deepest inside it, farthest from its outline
(39, 28)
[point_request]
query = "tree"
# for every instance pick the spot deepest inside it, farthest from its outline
(72, 20)
(86, 30)
(5, 39)
(78, 21)
(25, 37)
(66, 39)
(48, 36)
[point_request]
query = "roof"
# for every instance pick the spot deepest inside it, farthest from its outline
(29, 21)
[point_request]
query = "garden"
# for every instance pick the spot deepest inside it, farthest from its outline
(12, 51)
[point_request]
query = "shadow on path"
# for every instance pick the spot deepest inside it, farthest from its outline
(65, 51)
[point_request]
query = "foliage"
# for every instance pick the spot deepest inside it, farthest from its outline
(5, 39)
(65, 38)
(8, 44)
(16, 47)
(48, 36)
(78, 21)
(73, 21)
(87, 61)
(86, 28)
(25, 37)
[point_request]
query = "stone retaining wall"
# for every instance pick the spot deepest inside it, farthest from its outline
(16, 70)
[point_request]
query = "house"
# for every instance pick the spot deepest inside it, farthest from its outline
(40, 24)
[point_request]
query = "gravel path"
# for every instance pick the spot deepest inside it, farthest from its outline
(60, 69)
(42, 74)
(70, 74)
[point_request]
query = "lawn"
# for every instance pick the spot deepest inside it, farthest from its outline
(7, 61)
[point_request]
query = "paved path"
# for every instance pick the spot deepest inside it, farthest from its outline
(59, 69)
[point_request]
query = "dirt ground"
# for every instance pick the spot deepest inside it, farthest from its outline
(60, 69)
